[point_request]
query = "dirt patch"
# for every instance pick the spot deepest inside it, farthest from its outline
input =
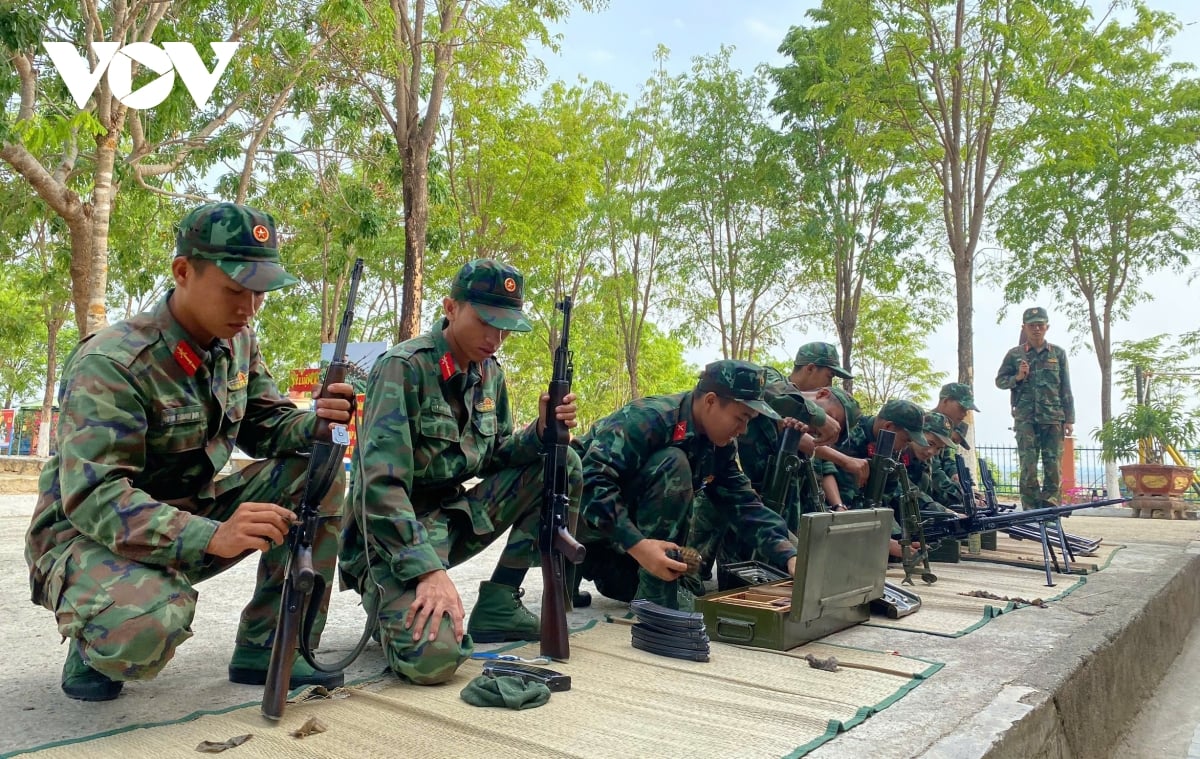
(18, 484)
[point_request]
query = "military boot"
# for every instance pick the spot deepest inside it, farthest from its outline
(81, 682)
(249, 667)
(499, 615)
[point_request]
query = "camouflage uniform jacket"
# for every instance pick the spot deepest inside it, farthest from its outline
(860, 444)
(428, 426)
(1044, 396)
(145, 416)
(945, 489)
(619, 445)
(760, 441)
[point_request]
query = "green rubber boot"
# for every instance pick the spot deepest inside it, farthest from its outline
(249, 667)
(82, 683)
(499, 615)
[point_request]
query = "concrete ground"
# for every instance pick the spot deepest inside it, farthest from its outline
(1067, 681)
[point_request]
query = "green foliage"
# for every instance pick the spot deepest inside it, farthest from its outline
(1158, 424)
(889, 355)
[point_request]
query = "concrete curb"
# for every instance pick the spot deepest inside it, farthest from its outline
(1083, 711)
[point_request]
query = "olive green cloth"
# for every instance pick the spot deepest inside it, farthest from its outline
(506, 690)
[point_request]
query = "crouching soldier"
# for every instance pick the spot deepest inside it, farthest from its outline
(436, 415)
(644, 465)
(130, 516)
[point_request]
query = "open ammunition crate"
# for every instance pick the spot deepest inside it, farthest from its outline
(839, 570)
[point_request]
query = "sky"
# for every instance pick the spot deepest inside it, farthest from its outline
(616, 46)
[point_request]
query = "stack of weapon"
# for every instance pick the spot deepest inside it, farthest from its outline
(1076, 544)
(669, 632)
(924, 531)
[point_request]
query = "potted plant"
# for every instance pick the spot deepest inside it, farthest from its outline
(1147, 428)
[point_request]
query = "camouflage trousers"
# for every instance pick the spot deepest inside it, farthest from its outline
(129, 617)
(511, 498)
(660, 505)
(1044, 441)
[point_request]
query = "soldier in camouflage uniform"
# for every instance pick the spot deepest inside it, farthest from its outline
(919, 461)
(1042, 405)
(907, 421)
(815, 367)
(644, 464)
(758, 447)
(437, 414)
(954, 401)
(129, 516)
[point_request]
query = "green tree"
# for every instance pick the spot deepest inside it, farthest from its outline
(964, 68)
(860, 181)
(729, 204)
(1109, 194)
(76, 160)
(890, 360)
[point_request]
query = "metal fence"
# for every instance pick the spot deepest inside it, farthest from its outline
(1089, 470)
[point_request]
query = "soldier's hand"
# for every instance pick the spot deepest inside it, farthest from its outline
(807, 445)
(829, 433)
(252, 527)
(861, 469)
(1069, 430)
(564, 413)
(1022, 370)
(792, 566)
(651, 555)
(896, 551)
(337, 405)
(436, 596)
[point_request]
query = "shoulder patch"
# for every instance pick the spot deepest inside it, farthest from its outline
(485, 405)
(239, 382)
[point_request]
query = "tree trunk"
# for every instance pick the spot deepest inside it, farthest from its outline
(43, 448)
(416, 220)
(964, 269)
(102, 199)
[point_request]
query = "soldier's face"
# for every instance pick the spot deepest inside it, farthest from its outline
(1036, 333)
(829, 403)
(953, 411)
(470, 337)
(813, 377)
(926, 452)
(722, 420)
(902, 436)
(209, 304)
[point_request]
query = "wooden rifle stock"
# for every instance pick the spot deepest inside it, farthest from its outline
(555, 541)
(301, 582)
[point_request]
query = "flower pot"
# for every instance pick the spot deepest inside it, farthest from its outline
(1157, 479)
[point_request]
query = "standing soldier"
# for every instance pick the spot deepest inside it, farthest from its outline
(130, 516)
(644, 464)
(436, 415)
(1042, 406)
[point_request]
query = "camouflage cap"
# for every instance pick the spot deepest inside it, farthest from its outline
(741, 381)
(960, 436)
(1035, 315)
(239, 239)
(937, 425)
(957, 391)
(822, 354)
(849, 405)
(495, 290)
(908, 416)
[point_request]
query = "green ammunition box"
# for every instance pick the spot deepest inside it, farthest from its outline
(987, 540)
(839, 570)
(946, 552)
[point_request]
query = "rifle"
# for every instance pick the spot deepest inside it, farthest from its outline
(989, 488)
(303, 587)
(882, 466)
(782, 467)
(936, 528)
(555, 542)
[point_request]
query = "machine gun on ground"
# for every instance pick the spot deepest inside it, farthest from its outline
(555, 542)
(934, 528)
(896, 602)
